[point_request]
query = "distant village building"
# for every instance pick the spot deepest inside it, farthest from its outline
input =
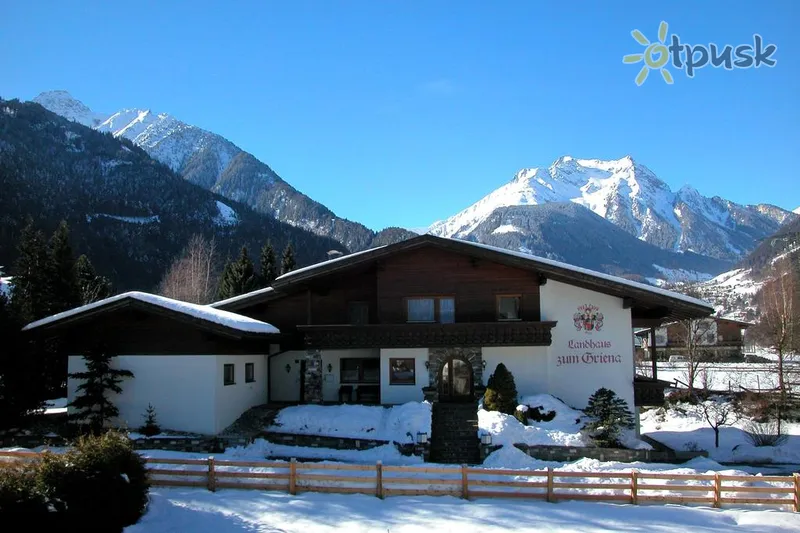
(717, 339)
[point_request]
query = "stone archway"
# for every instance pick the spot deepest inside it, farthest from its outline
(438, 357)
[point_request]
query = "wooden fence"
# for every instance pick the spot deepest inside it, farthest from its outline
(468, 482)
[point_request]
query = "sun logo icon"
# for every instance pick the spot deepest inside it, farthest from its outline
(655, 56)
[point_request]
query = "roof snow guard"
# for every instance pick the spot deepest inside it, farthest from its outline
(647, 302)
(217, 319)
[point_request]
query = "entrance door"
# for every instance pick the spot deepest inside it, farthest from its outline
(455, 381)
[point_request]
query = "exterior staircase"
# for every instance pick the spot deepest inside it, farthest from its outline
(454, 434)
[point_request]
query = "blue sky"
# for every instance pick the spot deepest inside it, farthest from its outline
(402, 113)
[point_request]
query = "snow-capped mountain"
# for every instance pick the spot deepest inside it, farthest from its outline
(214, 163)
(797, 211)
(632, 197)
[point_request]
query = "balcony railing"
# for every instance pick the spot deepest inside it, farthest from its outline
(427, 335)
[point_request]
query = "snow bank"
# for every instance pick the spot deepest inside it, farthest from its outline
(563, 430)
(202, 312)
(400, 423)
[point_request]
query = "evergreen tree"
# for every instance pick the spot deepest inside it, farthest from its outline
(501, 391)
(608, 416)
(239, 277)
(288, 263)
(65, 292)
(268, 274)
(93, 287)
(30, 286)
(98, 380)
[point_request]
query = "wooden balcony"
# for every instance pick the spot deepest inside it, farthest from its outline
(332, 336)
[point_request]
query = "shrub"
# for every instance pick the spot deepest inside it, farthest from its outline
(768, 433)
(150, 426)
(101, 478)
(18, 491)
(608, 416)
(501, 391)
(521, 414)
(536, 414)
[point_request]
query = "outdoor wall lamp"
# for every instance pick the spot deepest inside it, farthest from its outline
(330, 368)
(422, 438)
(288, 368)
(483, 363)
(427, 365)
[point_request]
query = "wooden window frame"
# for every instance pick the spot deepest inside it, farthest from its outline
(437, 315)
(413, 369)
(498, 297)
(249, 377)
(225, 381)
(360, 379)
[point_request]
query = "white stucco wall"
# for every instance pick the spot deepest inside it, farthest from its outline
(180, 387)
(285, 386)
(528, 364)
(576, 369)
(397, 394)
(332, 380)
(233, 400)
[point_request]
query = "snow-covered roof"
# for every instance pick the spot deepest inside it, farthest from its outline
(201, 312)
(327, 263)
(588, 272)
(245, 296)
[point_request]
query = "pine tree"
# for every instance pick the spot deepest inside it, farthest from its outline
(608, 416)
(92, 286)
(65, 291)
(238, 277)
(98, 380)
(288, 263)
(267, 265)
(501, 391)
(150, 426)
(30, 286)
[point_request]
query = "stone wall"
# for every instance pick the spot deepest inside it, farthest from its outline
(312, 379)
(341, 443)
(437, 357)
(177, 444)
(573, 453)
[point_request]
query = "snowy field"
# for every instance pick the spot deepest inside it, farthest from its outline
(725, 376)
(234, 511)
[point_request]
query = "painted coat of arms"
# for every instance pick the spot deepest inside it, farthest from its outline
(588, 318)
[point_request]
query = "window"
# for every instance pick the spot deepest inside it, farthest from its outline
(357, 370)
(249, 372)
(442, 310)
(227, 375)
(358, 313)
(508, 307)
(402, 372)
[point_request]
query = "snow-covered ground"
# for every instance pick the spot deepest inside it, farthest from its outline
(229, 511)
(56, 406)
(563, 430)
(683, 427)
(724, 376)
(400, 423)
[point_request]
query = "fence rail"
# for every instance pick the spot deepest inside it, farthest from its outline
(464, 481)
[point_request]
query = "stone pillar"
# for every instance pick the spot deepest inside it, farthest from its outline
(312, 392)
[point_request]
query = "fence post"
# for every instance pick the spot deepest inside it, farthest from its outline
(796, 493)
(634, 487)
(717, 490)
(212, 476)
(464, 483)
(293, 476)
(550, 484)
(379, 479)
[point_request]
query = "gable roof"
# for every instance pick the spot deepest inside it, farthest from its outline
(203, 315)
(648, 297)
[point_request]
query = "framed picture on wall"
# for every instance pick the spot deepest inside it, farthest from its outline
(402, 371)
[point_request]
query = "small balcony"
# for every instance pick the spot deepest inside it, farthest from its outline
(518, 333)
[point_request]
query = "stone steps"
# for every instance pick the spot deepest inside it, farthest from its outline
(454, 435)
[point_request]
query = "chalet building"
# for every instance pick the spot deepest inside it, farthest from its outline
(717, 339)
(426, 318)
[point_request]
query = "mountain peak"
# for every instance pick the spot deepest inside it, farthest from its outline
(63, 103)
(797, 211)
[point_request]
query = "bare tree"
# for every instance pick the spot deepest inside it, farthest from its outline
(718, 412)
(779, 326)
(697, 335)
(194, 275)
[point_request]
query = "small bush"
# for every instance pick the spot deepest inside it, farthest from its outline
(521, 414)
(765, 433)
(501, 391)
(150, 426)
(536, 414)
(691, 446)
(682, 396)
(18, 491)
